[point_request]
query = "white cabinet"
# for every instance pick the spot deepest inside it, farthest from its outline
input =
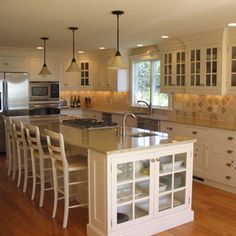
(13, 64)
(204, 70)
(201, 147)
(231, 82)
(118, 118)
(35, 66)
(173, 71)
(144, 187)
(222, 161)
(92, 114)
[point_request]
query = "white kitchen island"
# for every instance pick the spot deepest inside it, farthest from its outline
(137, 185)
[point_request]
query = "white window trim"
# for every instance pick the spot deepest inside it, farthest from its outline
(145, 57)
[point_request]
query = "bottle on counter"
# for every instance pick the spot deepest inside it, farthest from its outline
(71, 101)
(78, 101)
(75, 101)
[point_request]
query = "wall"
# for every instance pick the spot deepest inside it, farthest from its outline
(112, 100)
(221, 108)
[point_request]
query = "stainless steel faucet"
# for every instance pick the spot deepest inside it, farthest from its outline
(148, 105)
(124, 122)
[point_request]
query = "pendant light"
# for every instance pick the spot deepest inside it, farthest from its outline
(44, 70)
(73, 67)
(117, 61)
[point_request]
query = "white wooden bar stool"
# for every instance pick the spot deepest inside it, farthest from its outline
(61, 164)
(10, 146)
(41, 162)
(23, 154)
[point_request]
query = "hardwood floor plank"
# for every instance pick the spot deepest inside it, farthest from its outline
(215, 213)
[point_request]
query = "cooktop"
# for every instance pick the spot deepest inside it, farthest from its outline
(90, 123)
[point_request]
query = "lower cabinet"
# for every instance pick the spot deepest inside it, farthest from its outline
(151, 187)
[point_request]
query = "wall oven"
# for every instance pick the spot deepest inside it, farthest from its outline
(44, 91)
(37, 108)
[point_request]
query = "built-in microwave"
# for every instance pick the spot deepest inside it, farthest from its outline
(44, 91)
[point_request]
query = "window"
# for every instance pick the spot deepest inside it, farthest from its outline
(146, 84)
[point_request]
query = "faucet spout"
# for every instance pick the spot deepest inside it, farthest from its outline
(148, 105)
(124, 122)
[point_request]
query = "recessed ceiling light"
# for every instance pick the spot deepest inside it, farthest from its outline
(102, 48)
(80, 52)
(39, 48)
(164, 36)
(139, 45)
(232, 24)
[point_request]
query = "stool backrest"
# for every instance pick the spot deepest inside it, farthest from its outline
(34, 141)
(56, 148)
(8, 126)
(19, 132)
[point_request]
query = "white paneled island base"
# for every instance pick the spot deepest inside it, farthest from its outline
(140, 192)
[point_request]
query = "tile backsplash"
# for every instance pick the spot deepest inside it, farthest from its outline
(222, 108)
(113, 100)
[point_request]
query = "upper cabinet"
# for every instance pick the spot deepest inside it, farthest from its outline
(13, 64)
(35, 66)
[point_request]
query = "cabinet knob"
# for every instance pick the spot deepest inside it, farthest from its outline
(157, 159)
(228, 177)
(229, 151)
(229, 164)
(169, 128)
(194, 132)
(230, 138)
(153, 160)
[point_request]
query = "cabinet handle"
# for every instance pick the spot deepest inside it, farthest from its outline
(229, 151)
(169, 128)
(157, 159)
(194, 132)
(228, 177)
(153, 160)
(230, 138)
(229, 164)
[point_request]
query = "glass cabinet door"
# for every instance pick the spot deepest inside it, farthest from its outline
(180, 69)
(168, 69)
(211, 66)
(172, 182)
(233, 67)
(195, 67)
(133, 187)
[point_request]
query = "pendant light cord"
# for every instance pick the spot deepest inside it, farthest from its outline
(73, 44)
(118, 34)
(44, 51)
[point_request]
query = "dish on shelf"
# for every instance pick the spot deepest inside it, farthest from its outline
(166, 166)
(145, 171)
(144, 206)
(124, 194)
(162, 187)
(121, 217)
(178, 163)
(165, 202)
(144, 186)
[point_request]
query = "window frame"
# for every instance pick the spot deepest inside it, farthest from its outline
(147, 57)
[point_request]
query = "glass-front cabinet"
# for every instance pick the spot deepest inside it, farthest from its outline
(232, 69)
(173, 71)
(147, 186)
(204, 70)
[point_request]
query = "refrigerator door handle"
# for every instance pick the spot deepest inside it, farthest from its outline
(5, 100)
(1, 106)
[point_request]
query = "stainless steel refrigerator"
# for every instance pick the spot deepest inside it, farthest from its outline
(14, 98)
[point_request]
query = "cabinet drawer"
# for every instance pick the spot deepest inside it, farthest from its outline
(222, 170)
(196, 132)
(224, 149)
(224, 136)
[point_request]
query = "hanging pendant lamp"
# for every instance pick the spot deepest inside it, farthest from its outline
(45, 70)
(73, 67)
(117, 62)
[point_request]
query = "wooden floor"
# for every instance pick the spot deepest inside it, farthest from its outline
(215, 213)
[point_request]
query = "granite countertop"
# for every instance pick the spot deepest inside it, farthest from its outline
(97, 139)
(181, 120)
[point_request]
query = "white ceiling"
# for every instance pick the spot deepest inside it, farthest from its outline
(23, 22)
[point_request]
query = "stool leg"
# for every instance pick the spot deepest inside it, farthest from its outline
(42, 182)
(26, 171)
(9, 156)
(34, 177)
(55, 183)
(14, 159)
(19, 165)
(66, 200)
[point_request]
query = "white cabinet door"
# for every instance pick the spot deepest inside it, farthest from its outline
(13, 64)
(35, 66)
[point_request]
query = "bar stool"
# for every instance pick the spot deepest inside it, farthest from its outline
(60, 164)
(10, 146)
(23, 157)
(41, 162)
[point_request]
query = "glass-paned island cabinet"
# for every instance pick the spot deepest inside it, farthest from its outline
(144, 191)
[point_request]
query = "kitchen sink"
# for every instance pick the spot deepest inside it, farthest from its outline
(141, 134)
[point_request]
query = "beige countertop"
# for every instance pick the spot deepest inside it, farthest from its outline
(181, 120)
(106, 140)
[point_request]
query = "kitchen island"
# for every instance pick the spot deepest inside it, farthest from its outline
(140, 184)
